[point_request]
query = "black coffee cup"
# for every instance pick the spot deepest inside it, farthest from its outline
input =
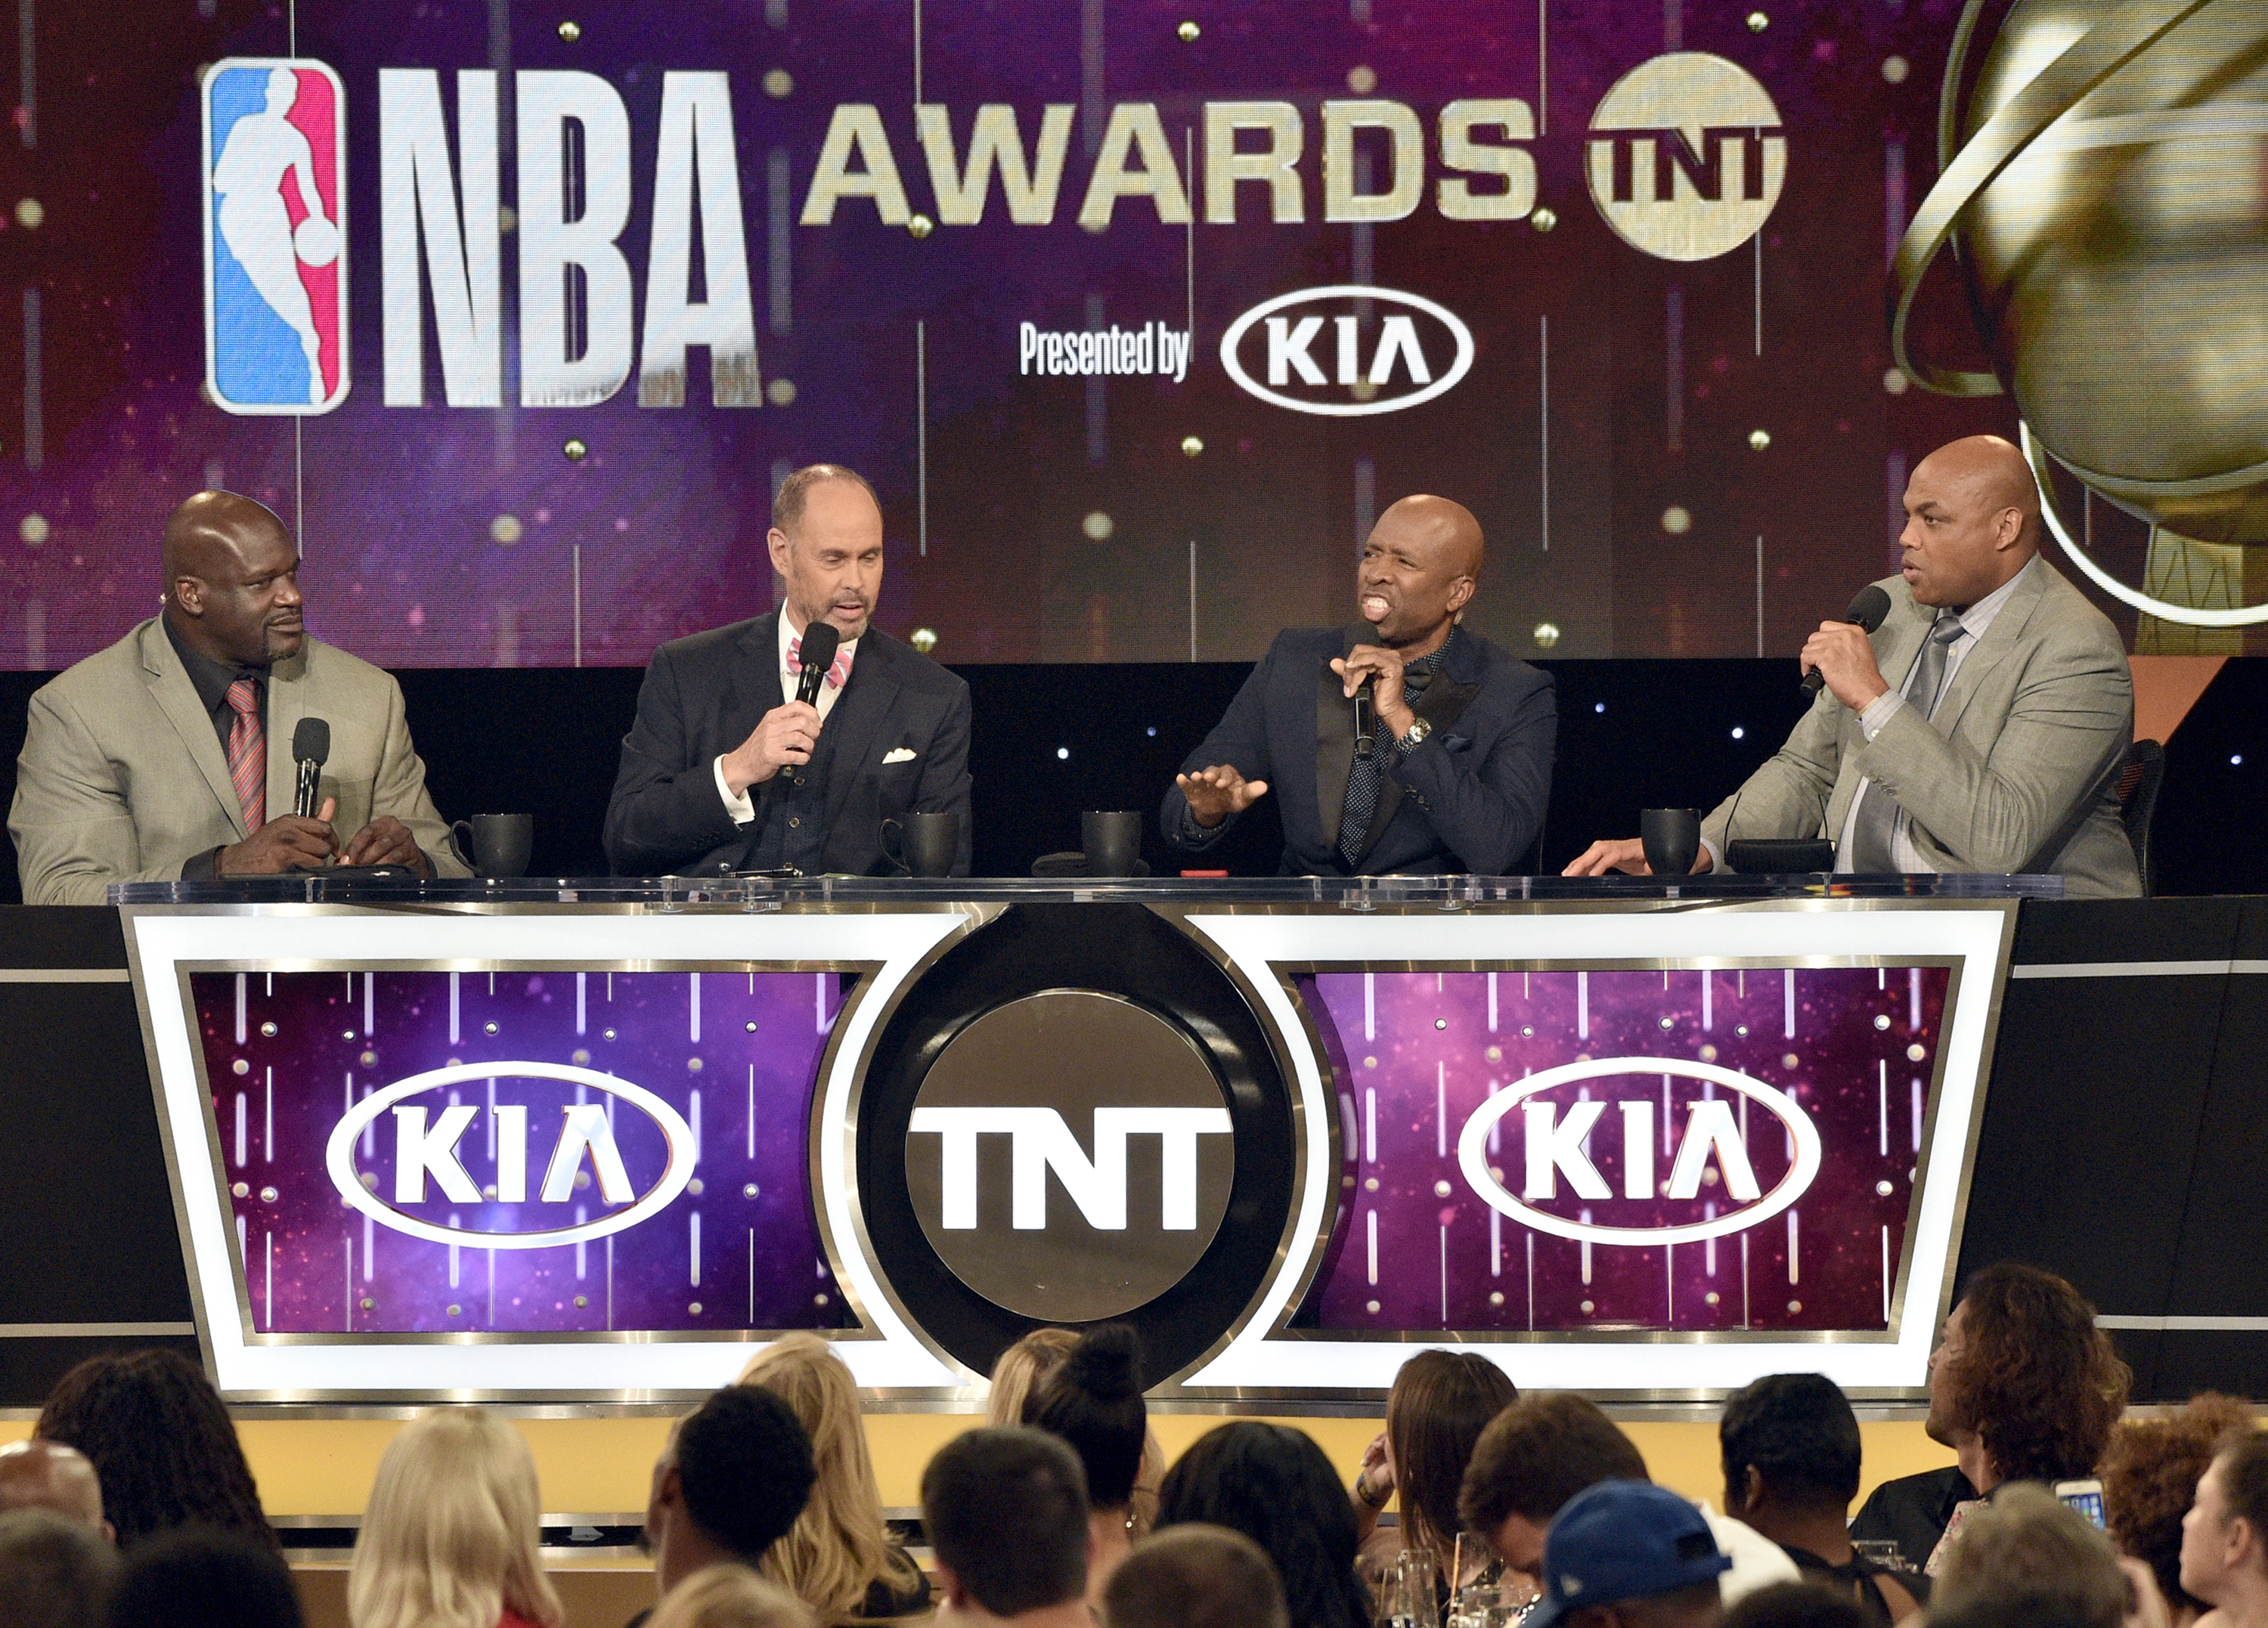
(1672, 837)
(928, 843)
(1112, 839)
(495, 844)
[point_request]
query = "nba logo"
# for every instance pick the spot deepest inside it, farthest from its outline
(275, 214)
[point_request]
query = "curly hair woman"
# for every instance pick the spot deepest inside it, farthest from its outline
(2150, 1473)
(161, 1443)
(2024, 1386)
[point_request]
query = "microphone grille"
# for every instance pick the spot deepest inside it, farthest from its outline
(1869, 609)
(820, 641)
(311, 741)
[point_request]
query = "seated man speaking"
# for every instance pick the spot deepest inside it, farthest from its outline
(1457, 767)
(725, 770)
(1992, 752)
(152, 760)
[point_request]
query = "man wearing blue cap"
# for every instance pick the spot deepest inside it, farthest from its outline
(1630, 1554)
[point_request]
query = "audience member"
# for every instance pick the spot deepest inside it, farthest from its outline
(837, 1558)
(2225, 1535)
(1017, 1375)
(1196, 1576)
(161, 1444)
(729, 1485)
(2023, 1387)
(1629, 1554)
(1005, 1510)
(204, 1577)
(1791, 1450)
(730, 1596)
(451, 1535)
(47, 1475)
(2014, 1609)
(1543, 1451)
(2028, 1543)
(1441, 1402)
(55, 1571)
(1093, 1401)
(2150, 1473)
(1275, 1485)
(1795, 1605)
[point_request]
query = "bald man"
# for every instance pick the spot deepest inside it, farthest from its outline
(169, 754)
(47, 1475)
(1995, 750)
(1457, 766)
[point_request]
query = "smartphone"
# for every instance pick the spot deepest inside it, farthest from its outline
(2084, 1496)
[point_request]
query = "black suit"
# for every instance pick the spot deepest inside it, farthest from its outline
(1470, 798)
(704, 695)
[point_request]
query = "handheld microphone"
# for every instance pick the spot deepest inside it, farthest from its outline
(817, 655)
(1364, 715)
(1867, 609)
(311, 748)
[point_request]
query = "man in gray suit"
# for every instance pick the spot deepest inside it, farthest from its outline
(153, 759)
(1993, 749)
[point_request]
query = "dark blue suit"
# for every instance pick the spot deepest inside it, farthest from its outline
(1470, 799)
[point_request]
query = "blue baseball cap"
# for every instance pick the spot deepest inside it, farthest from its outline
(1623, 1540)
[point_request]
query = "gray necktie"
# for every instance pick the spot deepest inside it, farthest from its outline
(1878, 809)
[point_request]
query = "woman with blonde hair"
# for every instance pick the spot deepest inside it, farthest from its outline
(1019, 1374)
(450, 1537)
(730, 1596)
(837, 1558)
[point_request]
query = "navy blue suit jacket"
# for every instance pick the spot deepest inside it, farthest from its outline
(1470, 799)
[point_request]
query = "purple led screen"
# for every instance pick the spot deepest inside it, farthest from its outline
(1417, 1053)
(736, 1054)
(1603, 434)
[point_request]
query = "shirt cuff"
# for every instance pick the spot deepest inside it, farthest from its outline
(1878, 712)
(1188, 833)
(740, 807)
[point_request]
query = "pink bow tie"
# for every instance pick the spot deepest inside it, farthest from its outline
(837, 676)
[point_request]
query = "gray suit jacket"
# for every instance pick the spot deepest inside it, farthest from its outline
(122, 778)
(2042, 706)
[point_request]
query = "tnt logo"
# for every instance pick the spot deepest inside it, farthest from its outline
(276, 297)
(1686, 158)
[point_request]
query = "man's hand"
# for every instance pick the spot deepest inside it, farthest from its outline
(1383, 668)
(1624, 853)
(1216, 793)
(289, 843)
(386, 840)
(787, 734)
(1846, 660)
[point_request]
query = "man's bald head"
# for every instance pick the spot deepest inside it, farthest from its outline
(231, 581)
(1972, 521)
(1420, 567)
(47, 1475)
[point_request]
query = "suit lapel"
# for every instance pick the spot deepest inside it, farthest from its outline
(856, 722)
(1999, 642)
(287, 704)
(1445, 698)
(1334, 745)
(753, 685)
(177, 697)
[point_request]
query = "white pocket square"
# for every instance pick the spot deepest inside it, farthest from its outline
(902, 755)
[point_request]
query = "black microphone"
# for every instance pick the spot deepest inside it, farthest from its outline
(311, 748)
(1867, 611)
(817, 655)
(1363, 715)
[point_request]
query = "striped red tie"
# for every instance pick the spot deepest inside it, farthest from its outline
(247, 754)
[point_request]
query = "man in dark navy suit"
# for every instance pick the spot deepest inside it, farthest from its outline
(725, 770)
(1459, 761)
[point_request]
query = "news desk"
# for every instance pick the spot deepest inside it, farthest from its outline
(581, 1145)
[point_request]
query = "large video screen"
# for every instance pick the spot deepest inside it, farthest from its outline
(1137, 314)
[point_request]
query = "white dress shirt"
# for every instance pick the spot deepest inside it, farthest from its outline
(1974, 620)
(741, 807)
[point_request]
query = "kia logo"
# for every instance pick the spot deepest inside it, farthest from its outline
(425, 1154)
(1380, 360)
(1555, 1150)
